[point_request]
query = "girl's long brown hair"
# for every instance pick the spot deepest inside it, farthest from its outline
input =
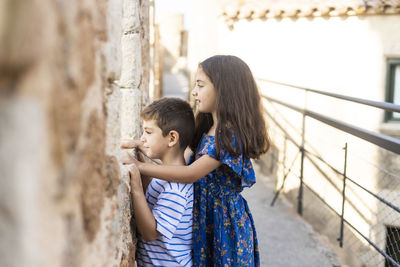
(239, 108)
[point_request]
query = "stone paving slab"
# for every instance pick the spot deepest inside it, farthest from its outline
(285, 239)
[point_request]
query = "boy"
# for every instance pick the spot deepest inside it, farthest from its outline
(164, 213)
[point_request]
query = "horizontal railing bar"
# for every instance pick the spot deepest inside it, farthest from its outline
(383, 253)
(376, 196)
(355, 229)
(308, 153)
(283, 104)
(354, 182)
(383, 105)
(334, 186)
(291, 139)
(330, 166)
(376, 166)
(384, 141)
(381, 140)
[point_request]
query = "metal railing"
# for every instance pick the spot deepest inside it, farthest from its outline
(383, 141)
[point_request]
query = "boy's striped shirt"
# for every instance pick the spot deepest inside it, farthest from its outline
(172, 207)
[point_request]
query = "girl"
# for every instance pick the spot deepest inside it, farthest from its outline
(230, 129)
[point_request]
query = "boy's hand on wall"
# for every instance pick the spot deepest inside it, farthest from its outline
(127, 157)
(136, 181)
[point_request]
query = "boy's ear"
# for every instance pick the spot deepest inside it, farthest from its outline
(173, 137)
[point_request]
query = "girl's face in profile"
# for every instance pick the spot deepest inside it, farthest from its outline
(204, 93)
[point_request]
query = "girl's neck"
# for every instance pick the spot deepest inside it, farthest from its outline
(215, 122)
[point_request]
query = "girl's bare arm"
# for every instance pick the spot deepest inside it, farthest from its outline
(180, 174)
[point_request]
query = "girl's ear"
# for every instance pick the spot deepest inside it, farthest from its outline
(173, 137)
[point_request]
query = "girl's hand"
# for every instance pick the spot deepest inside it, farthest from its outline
(131, 143)
(137, 152)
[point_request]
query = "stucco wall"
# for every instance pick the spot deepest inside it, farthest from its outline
(62, 202)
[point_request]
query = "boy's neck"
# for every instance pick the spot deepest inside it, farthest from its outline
(174, 157)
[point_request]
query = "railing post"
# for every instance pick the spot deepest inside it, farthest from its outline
(340, 239)
(300, 197)
(284, 154)
(303, 129)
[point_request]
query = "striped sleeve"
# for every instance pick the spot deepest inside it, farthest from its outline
(169, 209)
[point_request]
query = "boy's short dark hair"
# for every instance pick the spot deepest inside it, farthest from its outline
(172, 113)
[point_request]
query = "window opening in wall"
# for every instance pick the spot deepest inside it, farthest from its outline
(392, 245)
(393, 88)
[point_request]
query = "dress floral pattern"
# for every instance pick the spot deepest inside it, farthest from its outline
(223, 228)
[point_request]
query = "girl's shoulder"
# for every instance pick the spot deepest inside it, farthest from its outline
(238, 163)
(207, 143)
(207, 146)
(207, 139)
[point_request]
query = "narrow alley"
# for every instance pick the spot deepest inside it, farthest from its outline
(285, 239)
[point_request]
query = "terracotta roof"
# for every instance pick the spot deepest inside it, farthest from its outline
(264, 9)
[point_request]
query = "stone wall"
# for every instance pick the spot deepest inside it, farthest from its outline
(62, 71)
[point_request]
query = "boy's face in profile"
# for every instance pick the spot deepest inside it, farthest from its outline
(155, 144)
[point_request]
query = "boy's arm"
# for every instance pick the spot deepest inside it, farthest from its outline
(146, 180)
(144, 218)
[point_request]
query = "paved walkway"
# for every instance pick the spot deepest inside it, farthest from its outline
(285, 239)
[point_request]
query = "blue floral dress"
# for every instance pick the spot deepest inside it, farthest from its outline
(223, 228)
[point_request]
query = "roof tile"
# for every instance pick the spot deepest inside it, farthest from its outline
(253, 9)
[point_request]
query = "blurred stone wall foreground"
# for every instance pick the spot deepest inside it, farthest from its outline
(69, 71)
